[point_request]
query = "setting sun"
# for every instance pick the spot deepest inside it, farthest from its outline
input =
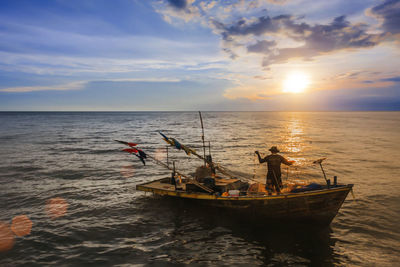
(296, 82)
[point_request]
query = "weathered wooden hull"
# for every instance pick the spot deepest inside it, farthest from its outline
(319, 206)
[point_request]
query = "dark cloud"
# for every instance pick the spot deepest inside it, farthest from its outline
(263, 47)
(389, 13)
(243, 27)
(338, 35)
(260, 26)
(294, 30)
(395, 79)
(318, 39)
(178, 4)
(229, 51)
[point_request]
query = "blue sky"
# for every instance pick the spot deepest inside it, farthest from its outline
(200, 55)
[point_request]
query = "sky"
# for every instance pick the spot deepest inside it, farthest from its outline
(137, 55)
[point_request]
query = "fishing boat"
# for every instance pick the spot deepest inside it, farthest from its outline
(315, 206)
(215, 186)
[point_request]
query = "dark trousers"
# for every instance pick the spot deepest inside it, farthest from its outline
(274, 183)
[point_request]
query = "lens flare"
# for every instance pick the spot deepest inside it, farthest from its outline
(21, 225)
(127, 171)
(6, 237)
(56, 207)
(160, 154)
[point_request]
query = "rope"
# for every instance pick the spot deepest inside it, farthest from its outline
(189, 177)
(254, 165)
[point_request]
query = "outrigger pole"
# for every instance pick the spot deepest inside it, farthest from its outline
(160, 163)
(217, 166)
(202, 137)
(319, 161)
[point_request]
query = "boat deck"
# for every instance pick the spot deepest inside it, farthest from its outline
(164, 184)
(163, 187)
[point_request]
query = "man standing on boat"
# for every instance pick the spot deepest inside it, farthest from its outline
(274, 168)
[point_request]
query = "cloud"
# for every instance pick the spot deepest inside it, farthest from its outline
(27, 39)
(82, 84)
(263, 47)
(349, 74)
(278, 2)
(233, 33)
(395, 79)
(317, 39)
(43, 51)
(123, 95)
(366, 77)
(179, 9)
(153, 80)
(62, 87)
(389, 14)
(243, 26)
(249, 31)
(178, 4)
(246, 24)
(174, 11)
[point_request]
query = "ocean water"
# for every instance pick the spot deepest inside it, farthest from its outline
(64, 172)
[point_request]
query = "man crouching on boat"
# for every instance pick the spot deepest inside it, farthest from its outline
(274, 169)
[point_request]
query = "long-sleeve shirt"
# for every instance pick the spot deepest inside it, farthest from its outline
(274, 164)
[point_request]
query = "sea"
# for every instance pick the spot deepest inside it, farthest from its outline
(68, 196)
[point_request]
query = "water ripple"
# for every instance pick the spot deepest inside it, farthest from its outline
(72, 157)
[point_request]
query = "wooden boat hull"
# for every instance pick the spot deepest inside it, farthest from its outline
(318, 206)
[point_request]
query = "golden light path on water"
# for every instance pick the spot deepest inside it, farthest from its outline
(295, 145)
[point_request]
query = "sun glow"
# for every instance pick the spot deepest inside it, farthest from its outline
(296, 82)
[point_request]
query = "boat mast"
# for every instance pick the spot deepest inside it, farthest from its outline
(202, 137)
(167, 156)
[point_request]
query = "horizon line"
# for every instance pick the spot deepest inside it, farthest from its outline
(389, 110)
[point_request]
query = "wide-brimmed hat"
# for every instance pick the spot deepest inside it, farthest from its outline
(274, 149)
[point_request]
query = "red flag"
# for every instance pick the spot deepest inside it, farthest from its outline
(126, 143)
(130, 150)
